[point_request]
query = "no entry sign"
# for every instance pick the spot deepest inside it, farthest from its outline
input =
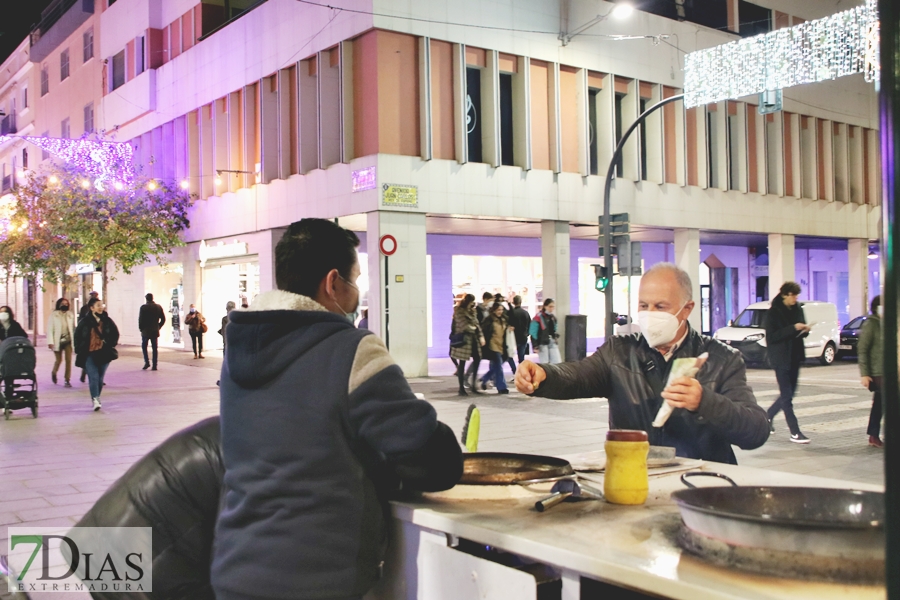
(387, 244)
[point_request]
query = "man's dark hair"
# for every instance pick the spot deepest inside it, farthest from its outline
(876, 302)
(517, 301)
(309, 250)
(149, 297)
(790, 287)
(487, 296)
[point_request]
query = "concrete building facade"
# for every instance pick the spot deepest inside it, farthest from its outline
(478, 139)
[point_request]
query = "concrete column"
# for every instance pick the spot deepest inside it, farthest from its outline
(687, 256)
(266, 252)
(557, 271)
(192, 282)
(781, 261)
(858, 255)
(408, 339)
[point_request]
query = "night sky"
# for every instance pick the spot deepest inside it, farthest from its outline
(16, 20)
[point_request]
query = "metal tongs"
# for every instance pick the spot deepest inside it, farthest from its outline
(566, 488)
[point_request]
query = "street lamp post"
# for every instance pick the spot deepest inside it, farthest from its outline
(605, 229)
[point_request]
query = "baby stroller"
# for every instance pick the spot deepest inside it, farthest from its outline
(19, 387)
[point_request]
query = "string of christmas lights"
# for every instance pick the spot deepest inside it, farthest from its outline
(845, 43)
(106, 161)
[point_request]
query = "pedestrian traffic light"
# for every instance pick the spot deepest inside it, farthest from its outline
(601, 277)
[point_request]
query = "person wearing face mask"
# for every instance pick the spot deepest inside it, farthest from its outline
(196, 323)
(9, 327)
(711, 413)
(786, 329)
(319, 429)
(96, 337)
(60, 333)
(871, 368)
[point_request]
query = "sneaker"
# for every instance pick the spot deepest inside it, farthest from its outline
(68, 384)
(875, 441)
(97, 404)
(799, 438)
(145, 367)
(771, 426)
(53, 378)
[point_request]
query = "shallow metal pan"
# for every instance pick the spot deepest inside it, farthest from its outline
(503, 468)
(819, 521)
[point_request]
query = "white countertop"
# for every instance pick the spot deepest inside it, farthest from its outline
(628, 546)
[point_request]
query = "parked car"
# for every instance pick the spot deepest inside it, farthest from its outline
(747, 332)
(850, 337)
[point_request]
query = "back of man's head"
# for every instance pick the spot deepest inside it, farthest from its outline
(149, 297)
(517, 301)
(309, 250)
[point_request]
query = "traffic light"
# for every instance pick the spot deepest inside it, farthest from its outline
(627, 252)
(601, 277)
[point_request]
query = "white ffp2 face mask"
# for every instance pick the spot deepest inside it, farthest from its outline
(658, 327)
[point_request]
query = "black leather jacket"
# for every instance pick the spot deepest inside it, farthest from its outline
(632, 376)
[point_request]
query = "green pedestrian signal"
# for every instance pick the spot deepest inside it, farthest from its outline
(601, 277)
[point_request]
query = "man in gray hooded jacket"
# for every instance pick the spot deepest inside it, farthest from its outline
(319, 428)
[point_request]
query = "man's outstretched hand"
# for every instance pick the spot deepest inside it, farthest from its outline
(529, 376)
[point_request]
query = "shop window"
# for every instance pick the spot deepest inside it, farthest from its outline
(620, 97)
(593, 96)
(89, 118)
(473, 113)
(754, 19)
(45, 80)
(118, 70)
(87, 39)
(506, 119)
(734, 154)
(712, 148)
(645, 104)
(64, 65)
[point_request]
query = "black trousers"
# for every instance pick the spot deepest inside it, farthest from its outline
(874, 428)
(197, 341)
(787, 384)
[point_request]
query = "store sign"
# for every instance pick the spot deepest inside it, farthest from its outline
(220, 250)
(85, 268)
(364, 179)
(399, 196)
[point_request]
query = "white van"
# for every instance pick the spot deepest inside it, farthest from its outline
(747, 334)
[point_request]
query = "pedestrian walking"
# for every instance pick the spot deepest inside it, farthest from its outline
(494, 328)
(196, 323)
(60, 334)
(465, 338)
(786, 329)
(96, 337)
(85, 311)
(544, 334)
(151, 318)
(482, 312)
(871, 368)
(520, 320)
(9, 327)
(229, 306)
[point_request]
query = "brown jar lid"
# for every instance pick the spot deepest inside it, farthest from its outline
(626, 435)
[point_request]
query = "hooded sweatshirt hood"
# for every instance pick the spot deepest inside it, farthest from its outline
(267, 337)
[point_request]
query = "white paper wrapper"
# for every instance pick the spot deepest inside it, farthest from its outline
(682, 367)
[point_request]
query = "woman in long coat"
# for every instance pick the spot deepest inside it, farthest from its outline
(468, 332)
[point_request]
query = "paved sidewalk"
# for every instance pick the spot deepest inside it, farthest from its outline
(52, 469)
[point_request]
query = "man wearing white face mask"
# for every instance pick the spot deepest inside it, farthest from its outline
(711, 412)
(319, 428)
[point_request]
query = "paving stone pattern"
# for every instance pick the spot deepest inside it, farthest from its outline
(52, 469)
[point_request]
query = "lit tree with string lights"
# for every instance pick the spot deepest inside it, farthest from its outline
(70, 213)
